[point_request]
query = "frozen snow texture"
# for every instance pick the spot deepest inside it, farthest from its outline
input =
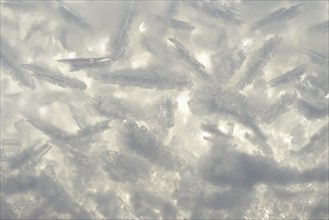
(164, 109)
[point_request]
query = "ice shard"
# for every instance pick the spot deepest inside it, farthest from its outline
(316, 57)
(86, 135)
(145, 78)
(282, 14)
(120, 42)
(72, 16)
(9, 67)
(219, 11)
(16, 4)
(186, 55)
(228, 103)
(16, 73)
(180, 25)
(261, 59)
(289, 77)
(167, 113)
(77, 64)
(28, 157)
(45, 127)
(77, 116)
(236, 61)
(54, 78)
(279, 108)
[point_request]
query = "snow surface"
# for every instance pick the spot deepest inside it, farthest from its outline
(164, 109)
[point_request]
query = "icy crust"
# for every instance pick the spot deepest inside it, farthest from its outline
(164, 110)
